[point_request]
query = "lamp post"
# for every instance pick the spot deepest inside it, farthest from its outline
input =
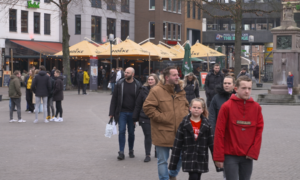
(111, 38)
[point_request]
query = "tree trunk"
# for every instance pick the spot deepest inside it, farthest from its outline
(238, 38)
(65, 44)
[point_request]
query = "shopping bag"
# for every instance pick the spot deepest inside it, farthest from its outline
(114, 128)
(109, 130)
(109, 86)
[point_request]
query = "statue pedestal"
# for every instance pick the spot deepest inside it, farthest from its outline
(277, 99)
(279, 89)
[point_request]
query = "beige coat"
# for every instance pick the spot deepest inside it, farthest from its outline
(166, 108)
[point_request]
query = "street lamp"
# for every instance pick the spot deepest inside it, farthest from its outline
(111, 38)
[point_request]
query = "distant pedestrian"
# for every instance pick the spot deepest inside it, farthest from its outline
(86, 80)
(140, 116)
(29, 94)
(80, 80)
(103, 76)
(41, 86)
(120, 74)
(15, 96)
(112, 79)
(58, 96)
(193, 138)
(256, 73)
(290, 83)
(191, 87)
(243, 73)
(121, 108)
(213, 79)
(52, 72)
(50, 106)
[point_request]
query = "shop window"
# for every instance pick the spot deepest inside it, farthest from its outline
(261, 24)
(152, 29)
(96, 3)
(164, 30)
(224, 24)
(248, 24)
(47, 26)
(111, 27)
(179, 6)
(24, 21)
(77, 24)
(37, 21)
(96, 29)
(125, 6)
(124, 29)
(211, 25)
(174, 31)
(111, 5)
(13, 20)
(152, 4)
(188, 9)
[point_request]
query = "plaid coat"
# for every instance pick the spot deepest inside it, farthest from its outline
(194, 153)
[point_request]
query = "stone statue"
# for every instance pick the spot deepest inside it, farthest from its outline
(288, 13)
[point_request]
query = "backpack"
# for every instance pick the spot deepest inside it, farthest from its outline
(80, 77)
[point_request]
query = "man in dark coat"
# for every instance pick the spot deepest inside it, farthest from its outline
(80, 80)
(122, 107)
(58, 96)
(256, 73)
(213, 79)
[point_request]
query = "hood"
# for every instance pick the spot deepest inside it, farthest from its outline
(220, 90)
(59, 77)
(13, 77)
(42, 73)
(185, 80)
(171, 88)
(235, 98)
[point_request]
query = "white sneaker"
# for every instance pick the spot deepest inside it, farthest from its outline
(51, 120)
(29, 112)
(13, 120)
(21, 120)
(35, 121)
(46, 121)
(59, 120)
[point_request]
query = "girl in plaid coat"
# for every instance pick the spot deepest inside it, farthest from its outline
(193, 138)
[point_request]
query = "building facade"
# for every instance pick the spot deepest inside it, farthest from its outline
(193, 22)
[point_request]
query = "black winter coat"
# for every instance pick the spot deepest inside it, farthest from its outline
(256, 72)
(58, 94)
(117, 98)
(215, 105)
(138, 113)
(211, 82)
(194, 152)
(192, 90)
(41, 84)
(112, 77)
(80, 76)
(52, 88)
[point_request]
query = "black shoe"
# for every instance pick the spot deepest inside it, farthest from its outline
(147, 159)
(131, 155)
(121, 156)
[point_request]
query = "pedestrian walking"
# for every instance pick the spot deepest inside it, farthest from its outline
(213, 79)
(50, 106)
(238, 133)
(191, 86)
(86, 80)
(80, 80)
(41, 86)
(120, 74)
(122, 107)
(243, 73)
(112, 80)
(28, 82)
(15, 96)
(256, 73)
(140, 116)
(290, 83)
(103, 74)
(193, 132)
(58, 96)
(166, 106)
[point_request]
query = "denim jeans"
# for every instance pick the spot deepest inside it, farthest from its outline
(126, 118)
(37, 106)
(162, 163)
(112, 87)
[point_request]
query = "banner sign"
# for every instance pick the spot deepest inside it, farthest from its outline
(94, 73)
(203, 77)
(230, 37)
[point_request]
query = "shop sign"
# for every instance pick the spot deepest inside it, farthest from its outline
(269, 49)
(33, 5)
(171, 42)
(203, 77)
(230, 37)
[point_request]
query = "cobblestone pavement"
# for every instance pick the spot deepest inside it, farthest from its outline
(77, 149)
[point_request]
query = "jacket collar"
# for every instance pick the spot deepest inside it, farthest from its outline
(188, 125)
(235, 98)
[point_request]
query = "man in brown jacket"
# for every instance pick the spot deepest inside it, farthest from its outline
(166, 106)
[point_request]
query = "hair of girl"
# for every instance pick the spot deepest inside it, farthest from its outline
(204, 107)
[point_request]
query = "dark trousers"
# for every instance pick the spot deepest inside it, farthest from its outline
(29, 100)
(84, 88)
(15, 102)
(147, 141)
(238, 167)
(79, 85)
(194, 176)
(58, 109)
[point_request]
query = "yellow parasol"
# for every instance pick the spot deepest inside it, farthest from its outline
(155, 50)
(177, 55)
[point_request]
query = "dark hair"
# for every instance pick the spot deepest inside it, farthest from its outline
(242, 78)
(16, 72)
(48, 72)
(217, 65)
(225, 71)
(166, 71)
(57, 71)
(244, 69)
(42, 68)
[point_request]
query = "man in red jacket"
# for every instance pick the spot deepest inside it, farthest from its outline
(238, 133)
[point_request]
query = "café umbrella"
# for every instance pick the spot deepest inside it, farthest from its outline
(162, 54)
(187, 66)
(177, 55)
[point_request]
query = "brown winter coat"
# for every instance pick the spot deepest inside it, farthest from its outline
(166, 108)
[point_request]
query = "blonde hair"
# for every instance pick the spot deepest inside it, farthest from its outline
(155, 78)
(204, 107)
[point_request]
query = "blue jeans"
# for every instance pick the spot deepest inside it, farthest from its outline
(112, 87)
(126, 118)
(162, 163)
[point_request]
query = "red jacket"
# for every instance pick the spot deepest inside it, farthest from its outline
(239, 129)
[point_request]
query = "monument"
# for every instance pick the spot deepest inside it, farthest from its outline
(286, 57)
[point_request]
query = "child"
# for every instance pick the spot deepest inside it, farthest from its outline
(290, 83)
(58, 95)
(193, 138)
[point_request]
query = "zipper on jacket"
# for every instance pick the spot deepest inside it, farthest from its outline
(244, 108)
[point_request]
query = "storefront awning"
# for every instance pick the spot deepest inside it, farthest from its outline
(45, 48)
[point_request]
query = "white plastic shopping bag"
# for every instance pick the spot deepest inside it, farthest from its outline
(109, 86)
(114, 128)
(109, 130)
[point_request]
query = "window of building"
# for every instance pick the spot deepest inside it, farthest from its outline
(178, 32)
(199, 13)
(47, 26)
(261, 24)
(248, 24)
(164, 5)
(179, 6)
(13, 20)
(169, 30)
(164, 30)
(125, 6)
(37, 21)
(211, 25)
(77, 24)
(111, 5)
(174, 6)
(277, 21)
(152, 29)
(47, 1)
(232, 25)
(24, 21)
(223, 24)
(111, 27)
(174, 31)
(96, 3)
(96, 29)
(194, 10)
(152, 4)
(188, 10)
(124, 29)
(169, 5)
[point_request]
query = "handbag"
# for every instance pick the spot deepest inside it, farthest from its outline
(109, 86)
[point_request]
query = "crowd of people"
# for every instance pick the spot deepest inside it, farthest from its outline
(42, 88)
